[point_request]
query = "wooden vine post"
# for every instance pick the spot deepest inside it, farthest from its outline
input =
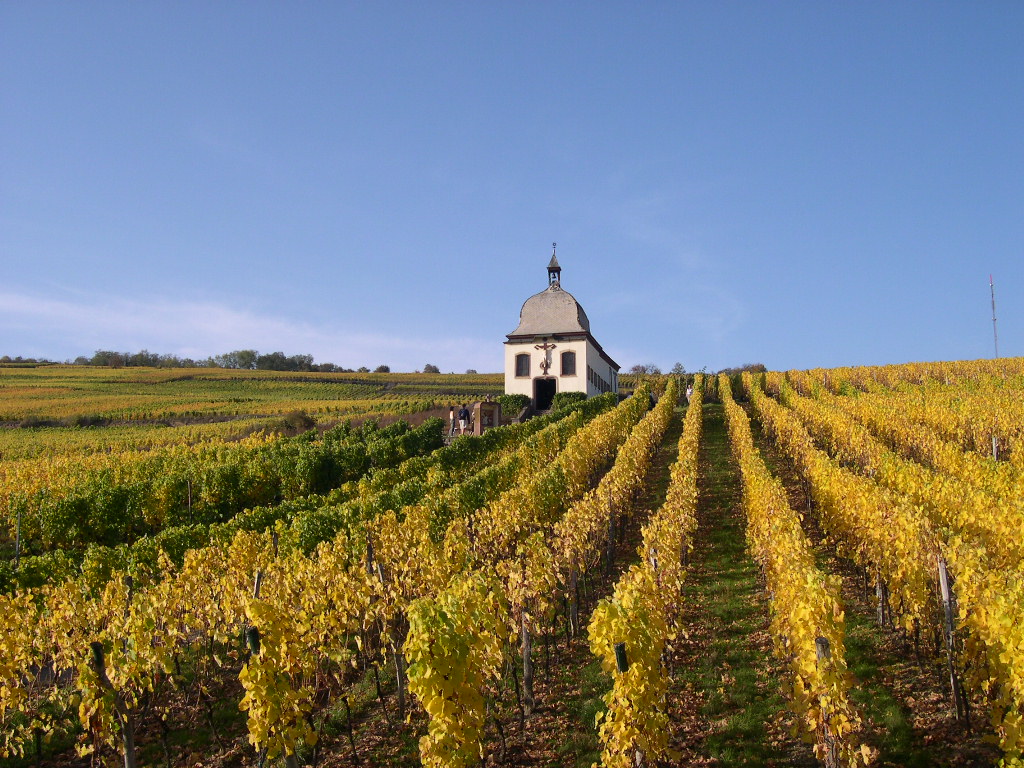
(396, 640)
(369, 556)
(374, 568)
(401, 676)
(882, 595)
(124, 715)
(948, 611)
(17, 541)
(574, 603)
(527, 649)
(610, 556)
(831, 758)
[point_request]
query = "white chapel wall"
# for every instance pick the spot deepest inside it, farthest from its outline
(600, 376)
(523, 385)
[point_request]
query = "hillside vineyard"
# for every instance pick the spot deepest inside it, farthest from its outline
(551, 592)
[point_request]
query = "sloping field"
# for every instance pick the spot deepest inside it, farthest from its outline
(790, 568)
(140, 407)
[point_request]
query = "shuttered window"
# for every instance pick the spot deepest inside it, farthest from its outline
(568, 363)
(523, 365)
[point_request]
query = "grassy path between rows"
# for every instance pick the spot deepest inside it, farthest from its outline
(726, 705)
(562, 733)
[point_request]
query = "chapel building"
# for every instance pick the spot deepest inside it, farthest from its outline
(552, 349)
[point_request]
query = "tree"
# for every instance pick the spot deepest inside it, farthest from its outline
(278, 361)
(108, 357)
(362, 369)
(678, 370)
(246, 358)
(239, 358)
(648, 368)
(471, 370)
(382, 369)
(272, 361)
(428, 368)
(143, 358)
(300, 363)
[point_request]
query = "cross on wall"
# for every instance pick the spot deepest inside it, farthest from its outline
(545, 363)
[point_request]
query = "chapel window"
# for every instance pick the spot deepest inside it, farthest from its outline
(568, 363)
(523, 365)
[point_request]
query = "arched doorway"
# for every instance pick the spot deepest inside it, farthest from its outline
(543, 393)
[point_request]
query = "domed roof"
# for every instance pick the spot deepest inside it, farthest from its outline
(550, 312)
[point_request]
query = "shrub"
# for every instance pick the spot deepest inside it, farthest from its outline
(317, 525)
(297, 422)
(176, 541)
(90, 420)
(99, 564)
(565, 399)
(35, 571)
(511, 405)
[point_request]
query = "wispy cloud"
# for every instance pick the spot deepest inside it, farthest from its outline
(227, 138)
(63, 327)
(650, 222)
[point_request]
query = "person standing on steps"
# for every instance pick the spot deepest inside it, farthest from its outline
(463, 419)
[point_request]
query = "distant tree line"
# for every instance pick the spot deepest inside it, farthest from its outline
(19, 360)
(649, 369)
(241, 359)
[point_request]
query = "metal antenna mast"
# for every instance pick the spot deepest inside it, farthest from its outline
(995, 335)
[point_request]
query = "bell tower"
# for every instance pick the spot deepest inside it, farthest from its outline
(554, 271)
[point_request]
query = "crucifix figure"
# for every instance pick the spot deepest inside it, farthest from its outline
(546, 362)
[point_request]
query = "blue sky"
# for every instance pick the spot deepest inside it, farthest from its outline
(799, 184)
